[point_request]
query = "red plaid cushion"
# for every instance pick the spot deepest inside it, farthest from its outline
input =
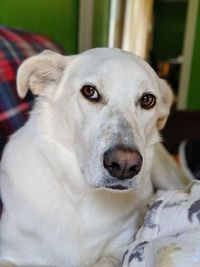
(15, 46)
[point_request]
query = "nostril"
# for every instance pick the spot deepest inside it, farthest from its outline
(134, 170)
(136, 164)
(111, 165)
(115, 169)
(115, 165)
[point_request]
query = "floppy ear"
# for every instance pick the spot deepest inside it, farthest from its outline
(39, 72)
(165, 105)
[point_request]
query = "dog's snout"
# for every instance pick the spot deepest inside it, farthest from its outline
(122, 163)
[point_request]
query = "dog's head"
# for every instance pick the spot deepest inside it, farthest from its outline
(105, 105)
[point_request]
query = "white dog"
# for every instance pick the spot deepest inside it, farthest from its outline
(75, 177)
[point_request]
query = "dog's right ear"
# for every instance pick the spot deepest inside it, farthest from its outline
(165, 105)
(40, 72)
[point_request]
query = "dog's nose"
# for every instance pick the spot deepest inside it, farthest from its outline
(122, 163)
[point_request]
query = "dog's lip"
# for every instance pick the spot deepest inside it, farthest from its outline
(117, 187)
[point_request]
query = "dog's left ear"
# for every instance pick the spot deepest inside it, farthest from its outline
(40, 72)
(165, 105)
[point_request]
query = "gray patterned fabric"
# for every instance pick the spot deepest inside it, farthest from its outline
(170, 235)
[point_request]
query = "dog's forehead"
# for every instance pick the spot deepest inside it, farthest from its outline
(112, 64)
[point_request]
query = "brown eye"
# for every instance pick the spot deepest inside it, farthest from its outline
(90, 92)
(147, 101)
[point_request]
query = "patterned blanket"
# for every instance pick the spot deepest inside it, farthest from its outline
(15, 46)
(170, 235)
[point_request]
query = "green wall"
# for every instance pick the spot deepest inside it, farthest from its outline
(100, 23)
(194, 84)
(57, 19)
(170, 19)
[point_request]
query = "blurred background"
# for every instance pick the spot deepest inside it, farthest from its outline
(164, 32)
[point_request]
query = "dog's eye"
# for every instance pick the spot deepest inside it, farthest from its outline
(90, 92)
(147, 101)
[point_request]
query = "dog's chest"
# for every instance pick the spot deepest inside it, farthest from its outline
(82, 243)
(75, 237)
(102, 228)
(93, 229)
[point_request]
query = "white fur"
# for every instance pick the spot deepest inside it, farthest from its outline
(57, 211)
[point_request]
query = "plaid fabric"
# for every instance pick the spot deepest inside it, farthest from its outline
(15, 46)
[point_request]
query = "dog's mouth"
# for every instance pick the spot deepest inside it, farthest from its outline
(117, 187)
(111, 184)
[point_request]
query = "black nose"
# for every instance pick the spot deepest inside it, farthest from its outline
(122, 163)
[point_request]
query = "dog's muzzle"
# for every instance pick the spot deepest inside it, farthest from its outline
(122, 163)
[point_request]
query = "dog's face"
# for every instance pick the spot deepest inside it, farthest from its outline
(105, 105)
